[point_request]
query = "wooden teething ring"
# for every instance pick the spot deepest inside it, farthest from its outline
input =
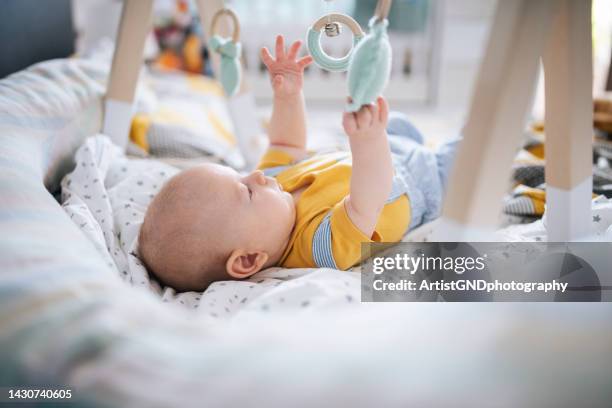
(313, 41)
(339, 18)
(382, 10)
(232, 16)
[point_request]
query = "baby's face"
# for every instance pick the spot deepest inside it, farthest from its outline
(254, 206)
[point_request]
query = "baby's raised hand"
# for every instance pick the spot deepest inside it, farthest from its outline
(368, 122)
(286, 72)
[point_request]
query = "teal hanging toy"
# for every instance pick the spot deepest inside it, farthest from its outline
(370, 63)
(329, 24)
(229, 49)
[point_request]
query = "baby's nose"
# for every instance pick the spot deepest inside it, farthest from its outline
(259, 177)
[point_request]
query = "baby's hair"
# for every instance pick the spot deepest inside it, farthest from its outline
(171, 243)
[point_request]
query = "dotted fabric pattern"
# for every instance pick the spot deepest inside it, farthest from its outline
(107, 195)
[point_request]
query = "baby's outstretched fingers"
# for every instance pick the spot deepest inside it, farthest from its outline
(280, 47)
(364, 116)
(349, 123)
(286, 73)
(293, 50)
(266, 57)
(374, 111)
(304, 61)
(383, 109)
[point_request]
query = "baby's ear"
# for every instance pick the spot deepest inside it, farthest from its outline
(242, 264)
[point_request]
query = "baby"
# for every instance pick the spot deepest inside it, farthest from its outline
(210, 223)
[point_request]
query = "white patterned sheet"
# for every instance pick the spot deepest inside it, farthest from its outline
(107, 196)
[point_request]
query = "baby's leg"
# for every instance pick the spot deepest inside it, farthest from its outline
(402, 132)
(445, 156)
(400, 125)
(423, 170)
(404, 137)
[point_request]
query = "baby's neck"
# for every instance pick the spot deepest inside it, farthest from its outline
(274, 258)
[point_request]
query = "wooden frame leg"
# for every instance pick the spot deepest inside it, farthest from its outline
(136, 21)
(568, 74)
(496, 120)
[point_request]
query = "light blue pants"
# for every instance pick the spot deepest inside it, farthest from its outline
(423, 172)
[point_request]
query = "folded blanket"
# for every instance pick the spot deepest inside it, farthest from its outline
(528, 196)
(187, 118)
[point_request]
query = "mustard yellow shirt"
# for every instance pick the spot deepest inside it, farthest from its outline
(323, 234)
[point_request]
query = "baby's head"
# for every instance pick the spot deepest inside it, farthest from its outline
(209, 223)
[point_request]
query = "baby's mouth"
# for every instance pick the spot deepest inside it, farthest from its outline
(275, 182)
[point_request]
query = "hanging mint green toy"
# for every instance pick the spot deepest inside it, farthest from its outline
(229, 49)
(370, 64)
(329, 24)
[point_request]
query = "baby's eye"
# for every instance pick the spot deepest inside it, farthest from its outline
(250, 192)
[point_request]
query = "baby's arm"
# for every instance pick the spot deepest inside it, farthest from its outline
(372, 174)
(287, 130)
